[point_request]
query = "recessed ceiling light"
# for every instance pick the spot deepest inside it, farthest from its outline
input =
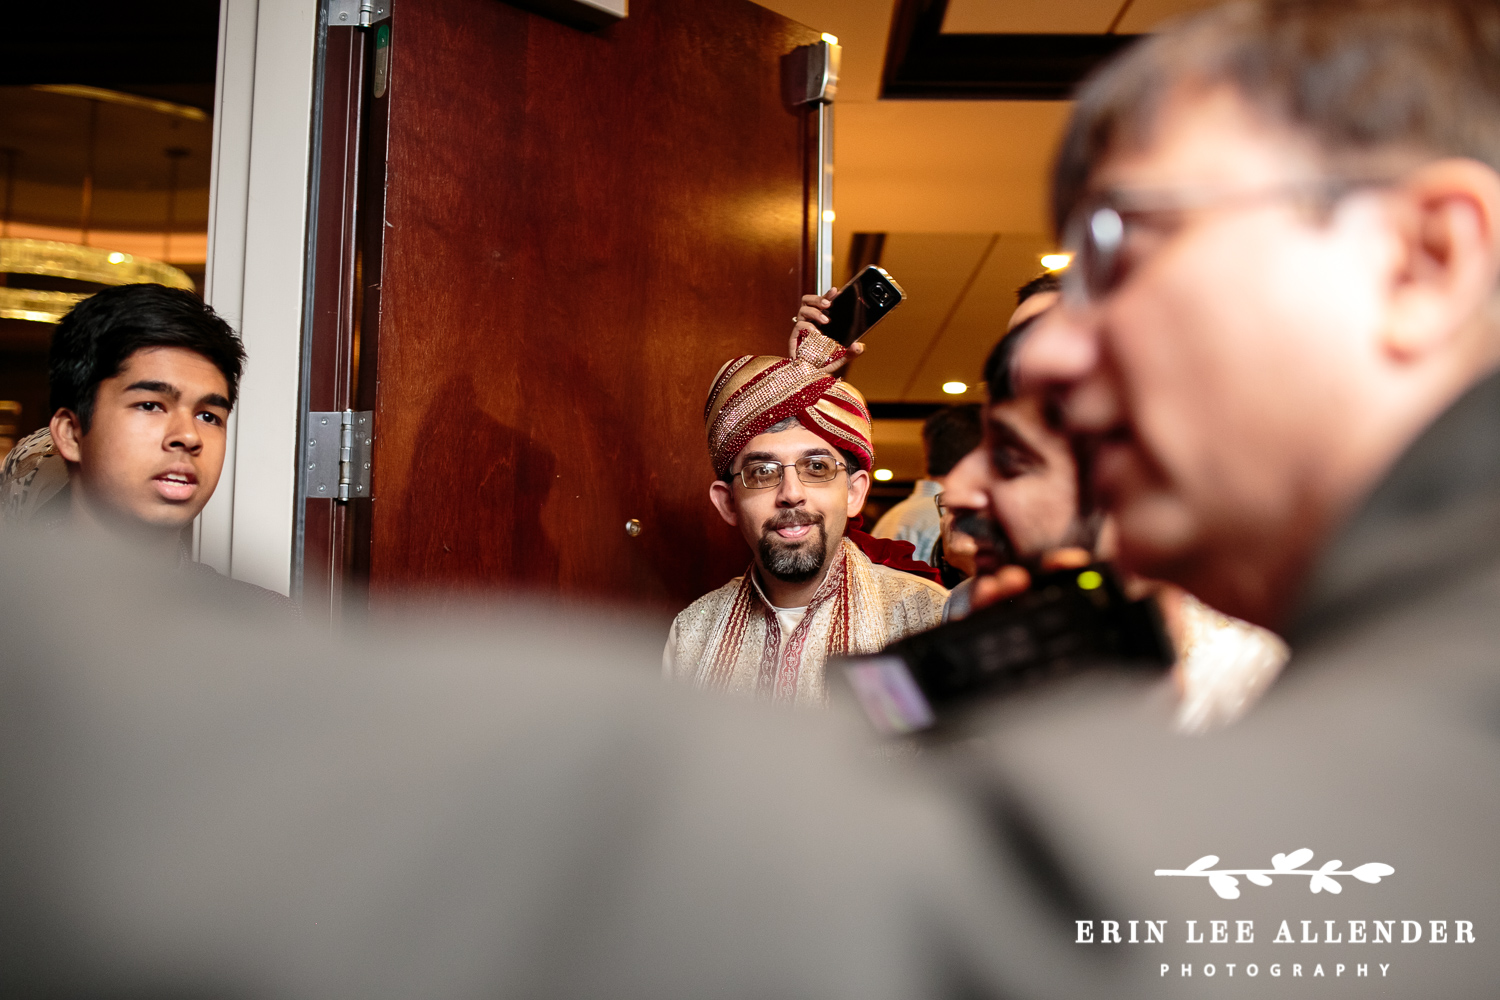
(1056, 261)
(955, 388)
(884, 475)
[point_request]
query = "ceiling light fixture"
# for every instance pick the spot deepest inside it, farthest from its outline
(830, 39)
(76, 263)
(955, 388)
(1056, 261)
(128, 100)
(884, 475)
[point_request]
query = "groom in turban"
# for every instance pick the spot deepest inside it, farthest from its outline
(791, 445)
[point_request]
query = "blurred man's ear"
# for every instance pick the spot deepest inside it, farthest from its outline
(859, 488)
(721, 495)
(66, 430)
(1447, 217)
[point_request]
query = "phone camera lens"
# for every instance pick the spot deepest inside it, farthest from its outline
(880, 295)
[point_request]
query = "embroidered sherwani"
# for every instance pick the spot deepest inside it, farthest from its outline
(730, 639)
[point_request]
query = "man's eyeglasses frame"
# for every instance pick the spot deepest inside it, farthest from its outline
(1097, 230)
(781, 472)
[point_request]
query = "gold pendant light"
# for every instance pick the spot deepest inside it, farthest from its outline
(80, 263)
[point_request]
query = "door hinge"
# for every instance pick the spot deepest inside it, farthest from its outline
(338, 448)
(357, 13)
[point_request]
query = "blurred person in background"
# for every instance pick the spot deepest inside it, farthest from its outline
(1023, 475)
(1034, 298)
(947, 436)
(954, 553)
(1035, 499)
(31, 475)
(791, 446)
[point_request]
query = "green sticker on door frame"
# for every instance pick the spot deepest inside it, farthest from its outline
(382, 58)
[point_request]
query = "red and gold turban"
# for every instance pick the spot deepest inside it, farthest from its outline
(758, 391)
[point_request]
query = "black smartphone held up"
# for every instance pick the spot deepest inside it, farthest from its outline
(866, 300)
(1068, 621)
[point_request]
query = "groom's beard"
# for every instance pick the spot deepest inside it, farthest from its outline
(793, 561)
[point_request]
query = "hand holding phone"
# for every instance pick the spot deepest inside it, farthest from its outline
(867, 299)
(849, 313)
(811, 318)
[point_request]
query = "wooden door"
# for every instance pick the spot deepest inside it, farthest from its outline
(573, 232)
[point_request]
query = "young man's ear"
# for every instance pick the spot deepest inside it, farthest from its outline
(67, 429)
(859, 488)
(1449, 230)
(721, 495)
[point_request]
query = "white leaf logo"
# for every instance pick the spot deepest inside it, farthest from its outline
(1289, 862)
(1372, 872)
(1223, 880)
(1322, 883)
(1225, 885)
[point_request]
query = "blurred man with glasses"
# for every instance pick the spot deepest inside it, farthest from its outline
(791, 446)
(1276, 357)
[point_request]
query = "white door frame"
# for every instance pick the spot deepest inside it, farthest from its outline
(257, 235)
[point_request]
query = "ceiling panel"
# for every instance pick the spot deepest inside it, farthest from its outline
(958, 352)
(898, 447)
(944, 166)
(1147, 15)
(1027, 17)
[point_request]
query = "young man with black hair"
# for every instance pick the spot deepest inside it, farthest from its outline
(143, 378)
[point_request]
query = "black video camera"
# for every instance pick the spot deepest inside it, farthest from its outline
(1068, 621)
